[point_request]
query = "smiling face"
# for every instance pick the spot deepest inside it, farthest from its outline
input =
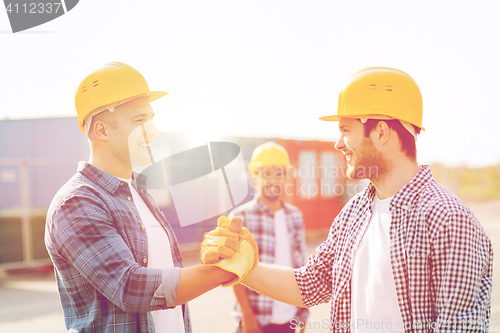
(270, 180)
(364, 160)
(134, 133)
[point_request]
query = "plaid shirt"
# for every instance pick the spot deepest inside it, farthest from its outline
(259, 220)
(99, 248)
(442, 260)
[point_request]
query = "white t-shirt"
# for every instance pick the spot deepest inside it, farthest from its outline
(159, 256)
(282, 313)
(374, 302)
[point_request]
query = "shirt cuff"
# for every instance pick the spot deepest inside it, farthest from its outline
(169, 285)
(301, 284)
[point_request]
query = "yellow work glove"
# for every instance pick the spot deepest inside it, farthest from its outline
(247, 238)
(244, 259)
(221, 242)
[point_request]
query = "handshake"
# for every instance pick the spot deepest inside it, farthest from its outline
(230, 247)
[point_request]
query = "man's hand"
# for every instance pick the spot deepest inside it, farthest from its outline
(219, 249)
(221, 242)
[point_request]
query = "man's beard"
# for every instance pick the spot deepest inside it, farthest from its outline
(272, 192)
(369, 163)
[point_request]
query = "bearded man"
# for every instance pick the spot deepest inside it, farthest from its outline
(278, 229)
(405, 254)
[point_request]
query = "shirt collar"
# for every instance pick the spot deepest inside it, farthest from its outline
(106, 181)
(404, 197)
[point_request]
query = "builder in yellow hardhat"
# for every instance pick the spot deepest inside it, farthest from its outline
(405, 255)
(278, 229)
(117, 261)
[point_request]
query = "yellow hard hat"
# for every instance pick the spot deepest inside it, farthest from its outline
(268, 154)
(114, 84)
(380, 93)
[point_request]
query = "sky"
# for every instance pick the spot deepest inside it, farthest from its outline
(270, 68)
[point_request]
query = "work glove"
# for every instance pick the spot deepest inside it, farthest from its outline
(221, 242)
(214, 249)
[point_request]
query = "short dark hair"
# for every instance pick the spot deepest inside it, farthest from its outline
(406, 140)
(105, 116)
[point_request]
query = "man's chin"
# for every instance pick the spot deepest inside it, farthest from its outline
(138, 162)
(139, 156)
(355, 173)
(271, 198)
(351, 172)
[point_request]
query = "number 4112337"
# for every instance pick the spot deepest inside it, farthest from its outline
(33, 8)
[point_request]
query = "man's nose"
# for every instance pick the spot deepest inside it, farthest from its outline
(272, 180)
(339, 145)
(150, 129)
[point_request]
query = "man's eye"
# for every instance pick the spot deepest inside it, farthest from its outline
(139, 120)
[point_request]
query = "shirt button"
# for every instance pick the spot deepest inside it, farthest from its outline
(145, 260)
(342, 283)
(142, 226)
(129, 198)
(122, 183)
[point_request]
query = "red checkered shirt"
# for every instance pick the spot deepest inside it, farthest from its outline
(442, 260)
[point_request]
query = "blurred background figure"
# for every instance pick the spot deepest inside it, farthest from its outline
(278, 229)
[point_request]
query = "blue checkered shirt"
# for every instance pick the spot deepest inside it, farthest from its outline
(442, 260)
(99, 248)
(259, 220)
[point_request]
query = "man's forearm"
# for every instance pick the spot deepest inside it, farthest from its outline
(197, 280)
(276, 282)
(242, 297)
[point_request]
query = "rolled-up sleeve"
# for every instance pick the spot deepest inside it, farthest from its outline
(315, 277)
(169, 286)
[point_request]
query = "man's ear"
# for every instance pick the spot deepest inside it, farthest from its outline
(382, 132)
(100, 129)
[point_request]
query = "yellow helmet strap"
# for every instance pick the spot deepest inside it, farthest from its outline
(409, 127)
